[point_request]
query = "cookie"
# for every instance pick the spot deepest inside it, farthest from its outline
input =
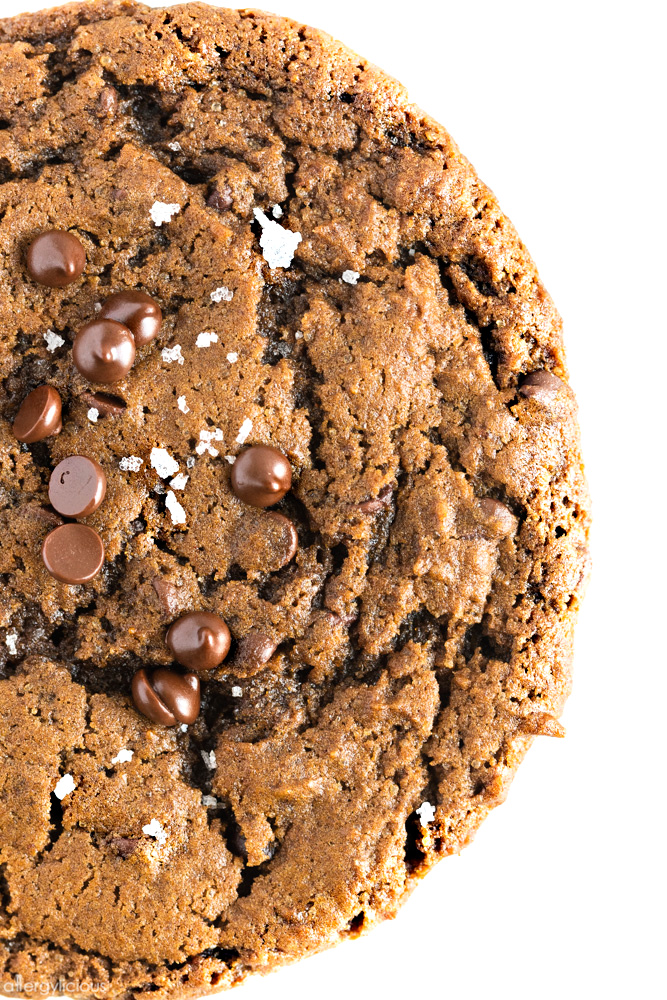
(293, 520)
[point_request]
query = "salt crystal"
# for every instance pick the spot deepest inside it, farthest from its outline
(298, 335)
(174, 146)
(244, 431)
(206, 339)
(190, 461)
(232, 357)
(237, 692)
(93, 414)
(352, 277)
(183, 727)
(162, 211)
(163, 463)
(222, 294)
(426, 813)
(179, 482)
(278, 244)
(277, 212)
(231, 459)
(64, 786)
(209, 801)
(170, 354)
(53, 340)
(175, 509)
(123, 757)
(10, 642)
(155, 829)
(131, 463)
(208, 756)
(182, 405)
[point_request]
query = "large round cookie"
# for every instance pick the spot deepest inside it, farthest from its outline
(384, 683)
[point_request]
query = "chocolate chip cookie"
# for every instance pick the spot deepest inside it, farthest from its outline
(292, 514)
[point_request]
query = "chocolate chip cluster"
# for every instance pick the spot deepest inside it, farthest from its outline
(104, 350)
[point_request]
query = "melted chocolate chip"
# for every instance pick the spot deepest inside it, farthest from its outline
(254, 650)
(39, 416)
(55, 258)
(73, 553)
(289, 538)
(261, 476)
(199, 640)
(167, 697)
(77, 486)
(169, 596)
(137, 311)
(104, 350)
(124, 846)
(541, 386)
(220, 199)
(382, 500)
(500, 516)
(105, 403)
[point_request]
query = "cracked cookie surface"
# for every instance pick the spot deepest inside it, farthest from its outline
(383, 684)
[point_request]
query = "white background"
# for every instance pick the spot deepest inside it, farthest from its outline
(561, 107)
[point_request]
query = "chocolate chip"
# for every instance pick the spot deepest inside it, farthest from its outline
(382, 500)
(137, 311)
(261, 476)
(254, 650)
(497, 513)
(125, 846)
(73, 553)
(42, 515)
(107, 102)
(199, 640)
(167, 697)
(104, 350)
(77, 486)
(169, 595)
(541, 386)
(289, 538)
(39, 416)
(55, 258)
(220, 199)
(105, 403)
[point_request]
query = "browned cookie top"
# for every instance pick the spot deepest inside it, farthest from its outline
(336, 284)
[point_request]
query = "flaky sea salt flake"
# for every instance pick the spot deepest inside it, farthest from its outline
(11, 640)
(237, 691)
(131, 463)
(232, 357)
(174, 353)
(222, 294)
(230, 458)
(93, 414)
(182, 405)
(277, 212)
(278, 244)
(179, 482)
(209, 801)
(162, 211)
(208, 756)
(53, 341)
(244, 431)
(351, 277)
(206, 339)
(156, 830)
(64, 786)
(426, 813)
(164, 464)
(175, 509)
(123, 757)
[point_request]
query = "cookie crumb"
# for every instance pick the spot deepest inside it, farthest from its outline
(123, 757)
(156, 830)
(164, 464)
(170, 354)
(182, 405)
(93, 414)
(162, 211)
(206, 339)
(244, 431)
(64, 786)
(351, 277)
(222, 294)
(278, 244)
(53, 341)
(131, 463)
(175, 509)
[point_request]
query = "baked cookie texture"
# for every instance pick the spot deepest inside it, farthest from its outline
(421, 637)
